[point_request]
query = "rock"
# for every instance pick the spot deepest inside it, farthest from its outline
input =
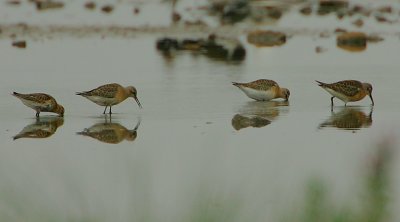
(266, 13)
(239, 53)
(198, 23)
(14, 2)
(340, 30)
(320, 49)
(214, 47)
(167, 44)
(359, 9)
(374, 38)
(340, 15)
(266, 38)
(352, 41)
(107, 8)
(176, 17)
(380, 18)
(385, 9)
(273, 12)
(19, 44)
(239, 122)
(358, 23)
(90, 5)
(306, 10)
(44, 5)
(235, 11)
(192, 44)
(223, 48)
(324, 35)
(328, 6)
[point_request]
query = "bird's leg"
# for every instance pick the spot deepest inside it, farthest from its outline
(104, 112)
(106, 119)
(332, 100)
(110, 111)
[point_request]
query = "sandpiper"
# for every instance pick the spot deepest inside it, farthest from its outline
(110, 94)
(40, 102)
(263, 90)
(348, 90)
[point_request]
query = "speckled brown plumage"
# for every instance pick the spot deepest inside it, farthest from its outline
(263, 90)
(348, 90)
(260, 84)
(346, 87)
(106, 91)
(110, 94)
(40, 102)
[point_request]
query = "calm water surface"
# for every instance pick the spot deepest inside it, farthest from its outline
(192, 152)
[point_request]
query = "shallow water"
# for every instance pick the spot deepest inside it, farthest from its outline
(190, 158)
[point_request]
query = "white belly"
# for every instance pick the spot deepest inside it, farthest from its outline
(258, 95)
(337, 95)
(103, 101)
(35, 105)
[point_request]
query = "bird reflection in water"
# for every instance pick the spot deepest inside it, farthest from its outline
(348, 118)
(43, 127)
(109, 132)
(258, 114)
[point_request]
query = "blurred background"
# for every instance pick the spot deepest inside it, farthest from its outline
(200, 150)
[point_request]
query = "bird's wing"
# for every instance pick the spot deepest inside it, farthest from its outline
(106, 91)
(347, 87)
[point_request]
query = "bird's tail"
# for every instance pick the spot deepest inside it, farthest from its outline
(80, 93)
(320, 83)
(236, 84)
(83, 133)
(16, 94)
(17, 137)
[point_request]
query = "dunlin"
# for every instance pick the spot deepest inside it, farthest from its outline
(348, 90)
(110, 94)
(263, 90)
(40, 102)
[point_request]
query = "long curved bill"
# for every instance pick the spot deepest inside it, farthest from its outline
(137, 100)
(370, 96)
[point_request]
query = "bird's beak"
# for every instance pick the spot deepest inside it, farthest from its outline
(370, 96)
(137, 100)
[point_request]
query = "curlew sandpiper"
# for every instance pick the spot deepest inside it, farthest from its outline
(110, 94)
(263, 90)
(348, 90)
